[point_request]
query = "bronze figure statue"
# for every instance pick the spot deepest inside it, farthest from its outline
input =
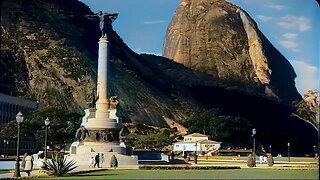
(105, 19)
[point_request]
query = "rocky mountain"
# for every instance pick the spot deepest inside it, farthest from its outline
(308, 107)
(40, 54)
(221, 39)
(49, 53)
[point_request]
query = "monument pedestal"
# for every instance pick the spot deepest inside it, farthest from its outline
(101, 135)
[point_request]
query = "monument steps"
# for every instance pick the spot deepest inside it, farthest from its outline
(124, 161)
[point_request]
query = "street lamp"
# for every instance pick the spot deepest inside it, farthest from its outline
(7, 148)
(315, 151)
(196, 147)
(254, 145)
(270, 150)
(4, 148)
(46, 122)
(288, 151)
(19, 119)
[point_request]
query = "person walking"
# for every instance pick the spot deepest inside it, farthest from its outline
(97, 160)
(101, 160)
(91, 162)
(29, 164)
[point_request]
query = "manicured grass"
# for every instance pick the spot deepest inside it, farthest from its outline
(2, 171)
(284, 159)
(198, 174)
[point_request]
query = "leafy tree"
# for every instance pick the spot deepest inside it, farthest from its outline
(62, 127)
(61, 131)
(232, 131)
(151, 138)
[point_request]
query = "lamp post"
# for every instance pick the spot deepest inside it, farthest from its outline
(254, 145)
(4, 148)
(270, 150)
(7, 148)
(288, 151)
(196, 146)
(46, 122)
(19, 119)
(315, 151)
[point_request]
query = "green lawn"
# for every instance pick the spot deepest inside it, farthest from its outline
(198, 174)
(280, 159)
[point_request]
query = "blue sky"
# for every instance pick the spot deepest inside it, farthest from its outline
(291, 26)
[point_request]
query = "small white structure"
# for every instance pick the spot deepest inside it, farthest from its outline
(196, 142)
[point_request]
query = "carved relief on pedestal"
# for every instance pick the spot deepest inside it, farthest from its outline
(81, 133)
(113, 102)
(108, 135)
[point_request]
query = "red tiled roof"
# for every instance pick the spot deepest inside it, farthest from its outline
(201, 142)
(196, 135)
(209, 142)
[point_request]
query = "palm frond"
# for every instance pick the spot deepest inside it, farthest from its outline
(59, 165)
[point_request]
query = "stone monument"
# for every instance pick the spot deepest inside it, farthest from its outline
(100, 129)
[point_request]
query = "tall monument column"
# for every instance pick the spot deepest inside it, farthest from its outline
(102, 87)
(104, 106)
(100, 129)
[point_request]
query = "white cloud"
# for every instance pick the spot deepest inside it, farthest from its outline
(295, 22)
(277, 6)
(288, 44)
(290, 35)
(307, 76)
(264, 18)
(154, 22)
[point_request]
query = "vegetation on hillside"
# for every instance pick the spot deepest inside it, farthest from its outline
(232, 131)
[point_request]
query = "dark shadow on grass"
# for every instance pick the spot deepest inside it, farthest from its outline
(92, 175)
(177, 161)
(87, 171)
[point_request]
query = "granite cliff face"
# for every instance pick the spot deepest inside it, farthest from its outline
(221, 39)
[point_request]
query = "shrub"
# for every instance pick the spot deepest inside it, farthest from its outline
(270, 160)
(114, 161)
(59, 165)
(251, 162)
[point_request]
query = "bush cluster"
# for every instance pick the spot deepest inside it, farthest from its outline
(114, 161)
(270, 160)
(251, 162)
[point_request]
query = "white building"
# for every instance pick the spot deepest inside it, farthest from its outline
(196, 142)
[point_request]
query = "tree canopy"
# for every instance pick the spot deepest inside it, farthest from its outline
(61, 130)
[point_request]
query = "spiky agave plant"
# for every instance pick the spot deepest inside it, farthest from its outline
(59, 165)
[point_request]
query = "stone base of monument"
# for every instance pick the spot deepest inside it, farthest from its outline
(78, 148)
(124, 162)
(82, 152)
